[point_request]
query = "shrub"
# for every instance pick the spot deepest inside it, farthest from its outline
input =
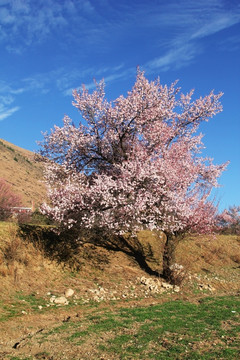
(8, 200)
(228, 222)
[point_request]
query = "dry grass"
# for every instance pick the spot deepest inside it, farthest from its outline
(27, 276)
(23, 261)
(15, 254)
(23, 264)
(209, 252)
(24, 175)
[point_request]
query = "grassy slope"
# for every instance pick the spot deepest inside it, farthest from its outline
(128, 328)
(18, 168)
(194, 323)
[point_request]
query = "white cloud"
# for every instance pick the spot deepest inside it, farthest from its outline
(108, 74)
(231, 43)
(6, 17)
(5, 112)
(4, 2)
(29, 21)
(39, 83)
(218, 23)
(192, 21)
(7, 99)
(177, 57)
(87, 6)
(24, 22)
(180, 27)
(6, 89)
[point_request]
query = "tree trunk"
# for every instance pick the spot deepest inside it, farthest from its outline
(169, 257)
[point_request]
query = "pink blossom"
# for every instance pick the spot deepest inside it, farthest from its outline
(136, 163)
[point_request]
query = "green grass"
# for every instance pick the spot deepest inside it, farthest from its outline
(174, 330)
(19, 303)
(19, 358)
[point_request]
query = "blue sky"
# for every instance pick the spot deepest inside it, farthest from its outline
(49, 47)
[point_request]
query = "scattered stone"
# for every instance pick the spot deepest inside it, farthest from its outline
(61, 300)
(142, 287)
(69, 293)
(208, 287)
(211, 288)
(40, 307)
(167, 286)
(178, 273)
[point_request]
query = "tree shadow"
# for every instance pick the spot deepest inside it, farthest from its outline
(125, 243)
(62, 247)
(71, 247)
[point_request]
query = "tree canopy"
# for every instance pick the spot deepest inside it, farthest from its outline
(133, 163)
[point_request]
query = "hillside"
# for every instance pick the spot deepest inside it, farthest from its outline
(66, 298)
(116, 310)
(22, 172)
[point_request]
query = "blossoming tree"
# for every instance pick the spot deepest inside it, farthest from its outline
(229, 220)
(133, 163)
(8, 200)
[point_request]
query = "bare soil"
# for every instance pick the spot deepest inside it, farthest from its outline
(105, 280)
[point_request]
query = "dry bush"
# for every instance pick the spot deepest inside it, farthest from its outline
(178, 274)
(64, 248)
(8, 200)
(3, 267)
(16, 253)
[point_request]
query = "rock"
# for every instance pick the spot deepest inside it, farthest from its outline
(101, 290)
(96, 298)
(61, 300)
(167, 286)
(154, 286)
(211, 288)
(69, 293)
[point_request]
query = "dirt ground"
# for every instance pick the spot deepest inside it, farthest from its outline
(105, 280)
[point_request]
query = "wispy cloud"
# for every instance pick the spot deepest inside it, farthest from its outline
(218, 22)
(23, 22)
(109, 74)
(59, 79)
(231, 43)
(192, 21)
(7, 98)
(180, 29)
(6, 112)
(178, 25)
(176, 57)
